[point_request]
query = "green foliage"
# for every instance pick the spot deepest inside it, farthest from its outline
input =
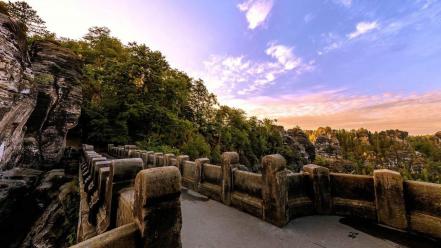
(24, 13)
(44, 79)
(196, 147)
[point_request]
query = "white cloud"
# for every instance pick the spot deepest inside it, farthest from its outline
(332, 41)
(363, 27)
(346, 3)
(238, 75)
(283, 55)
(256, 11)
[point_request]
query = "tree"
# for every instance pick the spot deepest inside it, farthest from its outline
(24, 13)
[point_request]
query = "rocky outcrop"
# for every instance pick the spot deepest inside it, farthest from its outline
(40, 99)
(437, 137)
(297, 149)
(57, 74)
(297, 139)
(327, 146)
(18, 204)
(17, 90)
(56, 226)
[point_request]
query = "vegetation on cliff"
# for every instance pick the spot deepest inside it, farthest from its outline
(361, 151)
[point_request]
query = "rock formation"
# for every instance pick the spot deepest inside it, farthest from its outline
(327, 145)
(296, 138)
(57, 74)
(297, 149)
(17, 90)
(40, 100)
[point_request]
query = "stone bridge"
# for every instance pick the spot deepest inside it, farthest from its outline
(136, 198)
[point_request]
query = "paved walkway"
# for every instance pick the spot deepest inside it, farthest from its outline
(207, 223)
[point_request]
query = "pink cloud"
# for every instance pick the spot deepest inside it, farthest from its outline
(416, 113)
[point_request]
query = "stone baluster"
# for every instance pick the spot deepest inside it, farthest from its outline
(122, 174)
(157, 207)
(274, 190)
(389, 198)
(321, 184)
(230, 160)
(199, 163)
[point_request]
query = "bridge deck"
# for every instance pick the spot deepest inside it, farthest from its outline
(207, 223)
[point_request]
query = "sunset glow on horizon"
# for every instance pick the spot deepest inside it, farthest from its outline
(339, 63)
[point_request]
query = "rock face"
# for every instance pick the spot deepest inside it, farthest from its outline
(17, 90)
(57, 74)
(297, 138)
(18, 204)
(327, 146)
(40, 99)
(297, 149)
(56, 226)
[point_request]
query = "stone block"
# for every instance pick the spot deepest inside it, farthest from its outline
(157, 206)
(122, 174)
(389, 198)
(229, 161)
(198, 171)
(274, 190)
(321, 185)
(167, 159)
(181, 160)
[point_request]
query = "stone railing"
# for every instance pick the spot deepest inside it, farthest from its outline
(124, 205)
(277, 195)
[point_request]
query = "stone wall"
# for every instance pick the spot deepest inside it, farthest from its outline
(276, 196)
(124, 205)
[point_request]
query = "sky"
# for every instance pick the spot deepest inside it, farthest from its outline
(341, 63)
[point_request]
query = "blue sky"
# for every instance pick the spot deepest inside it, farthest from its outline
(343, 63)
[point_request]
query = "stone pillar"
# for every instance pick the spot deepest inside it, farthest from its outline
(157, 161)
(274, 190)
(157, 207)
(122, 175)
(109, 148)
(134, 154)
(88, 147)
(199, 163)
(93, 186)
(167, 158)
(98, 199)
(389, 198)
(145, 158)
(321, 185)
(229, 161)
(181, 160)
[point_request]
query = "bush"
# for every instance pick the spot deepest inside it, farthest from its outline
(196, 147)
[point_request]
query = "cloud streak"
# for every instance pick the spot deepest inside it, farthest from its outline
(362, 28)
(238, 75)
(416, 113)
(256, 11)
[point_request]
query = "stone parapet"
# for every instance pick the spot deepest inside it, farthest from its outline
(145, 190)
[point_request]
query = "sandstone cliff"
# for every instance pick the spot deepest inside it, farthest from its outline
(57, 75)
(40, 100)
(17, 90)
